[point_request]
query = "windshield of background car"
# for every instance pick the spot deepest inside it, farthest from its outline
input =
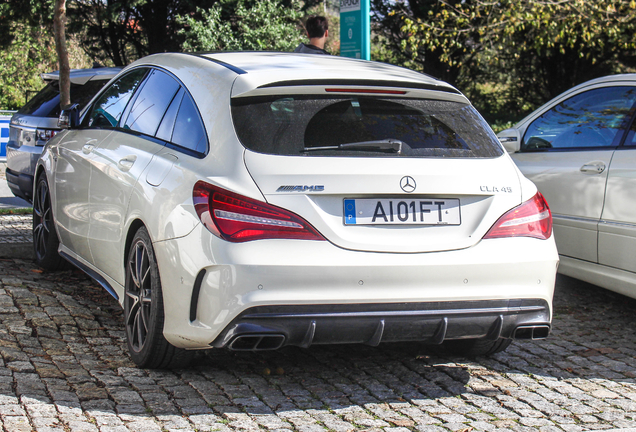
(322, 126)
(47, 102)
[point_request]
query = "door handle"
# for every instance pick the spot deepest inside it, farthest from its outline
(593, 167)
(126, 163)
(88, 148)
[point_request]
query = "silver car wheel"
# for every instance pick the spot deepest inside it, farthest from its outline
(138, 296)
(42, 219)
(45, 240)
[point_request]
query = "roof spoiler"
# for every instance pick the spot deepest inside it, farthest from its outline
(362, 82)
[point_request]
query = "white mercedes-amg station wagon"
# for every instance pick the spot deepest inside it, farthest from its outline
(251, 201)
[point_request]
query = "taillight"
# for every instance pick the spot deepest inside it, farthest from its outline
(45, 134)
(237, 218)
(531, 219)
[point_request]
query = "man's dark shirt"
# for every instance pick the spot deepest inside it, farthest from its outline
(309, 49)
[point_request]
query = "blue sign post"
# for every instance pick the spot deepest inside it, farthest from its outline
(355, 29)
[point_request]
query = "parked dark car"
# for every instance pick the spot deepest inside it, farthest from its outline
(36, 122)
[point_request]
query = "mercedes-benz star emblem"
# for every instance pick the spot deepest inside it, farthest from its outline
(407, 184)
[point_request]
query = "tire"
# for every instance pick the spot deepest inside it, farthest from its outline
(45, 240)
(477, 347)
(144, 310)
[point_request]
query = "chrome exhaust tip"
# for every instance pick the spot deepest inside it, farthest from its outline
(531, 332)
(256, 342)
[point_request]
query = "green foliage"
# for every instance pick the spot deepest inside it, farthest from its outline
(121, 31)
(16, 13)
(267, 25)
(529, 50)
(28, 55)
(498, 126)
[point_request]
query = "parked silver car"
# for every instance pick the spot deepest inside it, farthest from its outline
(580, 151)
(36, 122)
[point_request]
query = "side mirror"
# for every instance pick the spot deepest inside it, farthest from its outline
(510, 139)
(69, 117)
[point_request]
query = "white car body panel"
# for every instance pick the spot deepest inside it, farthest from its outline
(610, 278)
(269, 272)
(493, 190)
(272, 70)
(559, 177)
(617, 228)
(117, 164)
(591, 195)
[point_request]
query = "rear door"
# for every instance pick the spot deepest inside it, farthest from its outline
(377, 173)
(617, 230)
(567, 151)
(119, 161)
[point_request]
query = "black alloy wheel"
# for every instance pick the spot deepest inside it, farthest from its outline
(45, 240)
(143, 310)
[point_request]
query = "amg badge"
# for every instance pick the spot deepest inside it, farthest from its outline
(301, 188)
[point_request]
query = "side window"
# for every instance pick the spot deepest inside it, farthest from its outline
(631, 135)
(182, 125)
(188, 128)
(151, 103)
(590, 119)
(107, 110)
(167, 124)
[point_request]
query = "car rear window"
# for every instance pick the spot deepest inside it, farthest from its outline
(47, 102)
(362, 126)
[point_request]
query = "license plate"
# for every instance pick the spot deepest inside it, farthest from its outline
(401, 211)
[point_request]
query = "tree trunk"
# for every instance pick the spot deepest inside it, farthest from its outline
(59, 30)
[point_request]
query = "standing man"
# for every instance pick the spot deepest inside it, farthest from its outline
(317, 31)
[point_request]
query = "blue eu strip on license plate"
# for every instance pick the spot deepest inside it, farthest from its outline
(402, 211)
(350, 211)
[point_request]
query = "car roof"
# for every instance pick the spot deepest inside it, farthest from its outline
(82, 76)
(272, 69)
(609, 78)
(252, 70)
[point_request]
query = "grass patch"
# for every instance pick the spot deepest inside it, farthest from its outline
(16, 211)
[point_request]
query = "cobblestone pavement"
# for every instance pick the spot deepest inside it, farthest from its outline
(64, 367)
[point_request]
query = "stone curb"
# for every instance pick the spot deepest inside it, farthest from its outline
(16, 250)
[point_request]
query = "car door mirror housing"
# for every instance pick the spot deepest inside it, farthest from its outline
(69, 117)
(510, 139)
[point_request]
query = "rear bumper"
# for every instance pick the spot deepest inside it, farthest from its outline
(20, 184)
(21, 163)
(215, 291)
(271, 327)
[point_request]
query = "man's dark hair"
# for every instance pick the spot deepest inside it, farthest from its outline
(316, 26)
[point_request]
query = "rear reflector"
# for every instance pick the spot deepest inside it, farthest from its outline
(531, 219)
(237, 218)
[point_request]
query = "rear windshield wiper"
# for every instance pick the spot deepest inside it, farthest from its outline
(386, 145)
